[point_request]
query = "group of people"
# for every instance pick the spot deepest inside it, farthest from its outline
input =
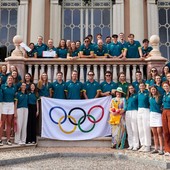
(113, 47)
(139, 108)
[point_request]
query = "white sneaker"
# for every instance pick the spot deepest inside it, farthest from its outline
(167, 154)
(130, 148)
(141, 149)
(147, 149)
(134, 149)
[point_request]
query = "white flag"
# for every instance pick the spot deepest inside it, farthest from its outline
(75, 119)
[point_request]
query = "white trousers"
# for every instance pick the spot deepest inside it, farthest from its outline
(132, 128)
(22, 118)
(143, 120)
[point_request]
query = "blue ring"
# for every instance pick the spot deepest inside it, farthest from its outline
(62, 110)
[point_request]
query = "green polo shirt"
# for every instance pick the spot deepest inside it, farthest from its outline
(132, 49)
(45, 90)
(124, 86)
(74, 53)
(4, 77)
(87, 50)
(1, 95)
(143, 99)
(150, 82)
(115, 49)
(40, 49)
(166, 101)
(146, 51)
(74, 89)
(155, 106)
(135, 84)
(100, 52)
(91, 88)
(32, 98)
(107, 87)
(62, 52)
(59, 90)
(8, 92)
(160, 90)
(22, 99)
(132, 102)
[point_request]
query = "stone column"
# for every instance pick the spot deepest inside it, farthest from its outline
(118, 17)
(155, 59)
(37, 19)
(152, 10)
(22, 20)
(137, 19)
(55, 24)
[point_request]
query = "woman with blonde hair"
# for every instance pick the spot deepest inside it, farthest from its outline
(155, 101)
(44, 87)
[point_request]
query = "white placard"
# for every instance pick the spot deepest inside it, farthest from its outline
(23, 45)
(49, 53)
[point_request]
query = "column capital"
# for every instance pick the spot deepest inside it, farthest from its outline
(23, 2)
(56, 2)
(152, 2)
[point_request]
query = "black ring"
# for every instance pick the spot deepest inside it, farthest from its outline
(75, 108)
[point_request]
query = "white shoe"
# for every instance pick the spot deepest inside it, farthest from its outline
(147, 149)
(130, 148)
(141, 149)
(134, 149)
(167, 154)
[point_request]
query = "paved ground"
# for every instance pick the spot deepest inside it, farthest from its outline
(80, 163)
(80, 158)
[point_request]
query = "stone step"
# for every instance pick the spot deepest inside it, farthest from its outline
(97, 143)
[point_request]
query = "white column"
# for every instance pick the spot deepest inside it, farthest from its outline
(82, 73)
(115, 73)
(37, 19)
(141, 69)
(36, 74)
(55, 72)
(101, 79)
(68, 76)
(108, 67)
(128, 73)
(95, 72)
(49, 72)
(152, 10)
(75, 67)
(22, 20)
(42, 70)
(137, 19)
(120, 68)
(88, 69)
(62, 69)
(118, 17)
(30, 69)
(134, 73)
(55, 24)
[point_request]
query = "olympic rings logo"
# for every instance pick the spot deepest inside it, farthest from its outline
(73, 121)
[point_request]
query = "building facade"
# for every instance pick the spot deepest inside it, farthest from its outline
(74, 19)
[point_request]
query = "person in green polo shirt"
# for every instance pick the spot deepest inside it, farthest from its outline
(133, 48)
(62, 49)
(122, 82)
(100, 50)
(73, 51)
(3, 74)
(59, 87)
(108, 85)
(87, 49)
(21, 115)
(74, 88)
(91, 88)
(146, 49)
(40, 47)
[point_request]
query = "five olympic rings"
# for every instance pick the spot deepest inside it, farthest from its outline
(73, 120)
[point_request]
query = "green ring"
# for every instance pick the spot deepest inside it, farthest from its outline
(86, 131)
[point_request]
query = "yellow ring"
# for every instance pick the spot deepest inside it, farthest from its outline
(59, 124)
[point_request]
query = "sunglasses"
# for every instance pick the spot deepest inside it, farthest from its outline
(108, 75)
(91, 74)
(86, 41)
(153, 71)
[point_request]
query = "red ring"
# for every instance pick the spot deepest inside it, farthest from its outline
(100, 117)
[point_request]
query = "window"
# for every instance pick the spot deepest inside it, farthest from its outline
(164, 27)
(8, 22)
(81, 18)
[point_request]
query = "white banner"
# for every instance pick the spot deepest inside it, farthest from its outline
(75, 119)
